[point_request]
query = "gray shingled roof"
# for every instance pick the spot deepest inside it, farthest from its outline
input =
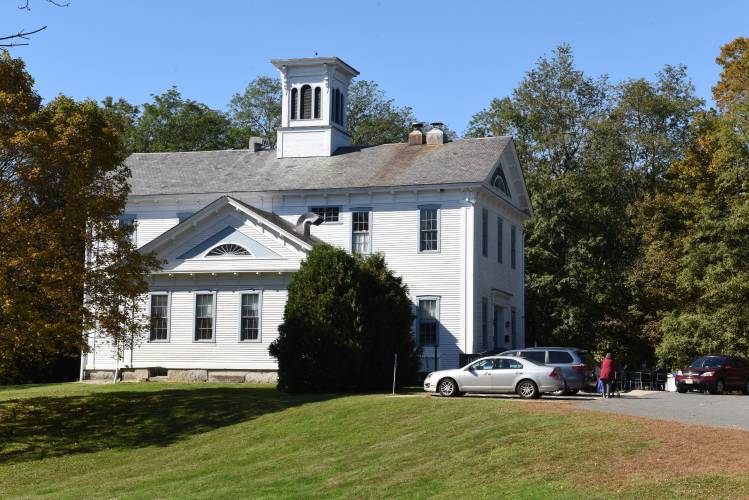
(464, 161)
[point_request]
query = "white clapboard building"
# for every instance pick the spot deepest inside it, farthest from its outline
(232, 228)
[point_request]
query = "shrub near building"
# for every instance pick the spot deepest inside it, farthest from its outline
(345, 319)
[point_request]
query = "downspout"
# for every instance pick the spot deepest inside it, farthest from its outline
(468, 269)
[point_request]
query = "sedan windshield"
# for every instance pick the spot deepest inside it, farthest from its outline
(706, 362)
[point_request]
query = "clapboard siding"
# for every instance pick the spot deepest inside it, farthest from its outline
(226, 352)
(458, 274)
(394, 231)
(491, 275)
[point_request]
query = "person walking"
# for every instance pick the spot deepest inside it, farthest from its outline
(607, 375)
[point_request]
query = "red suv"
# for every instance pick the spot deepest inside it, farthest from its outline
(714, 373)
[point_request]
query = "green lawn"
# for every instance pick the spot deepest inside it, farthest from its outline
(209, 440)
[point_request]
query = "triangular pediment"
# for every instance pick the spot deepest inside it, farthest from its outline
(229, 229)
(507, 181)
(226, 237)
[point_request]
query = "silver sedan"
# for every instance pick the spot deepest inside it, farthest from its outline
(499, 374)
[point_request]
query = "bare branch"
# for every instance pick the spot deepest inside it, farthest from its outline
(25, 34)
(56, 3)
(22, 34)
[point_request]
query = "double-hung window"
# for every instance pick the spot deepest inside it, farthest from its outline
(361, 240)
(500, 230)
(205, 316)
(513, 245)
(428, 319)
(429, 229)
(129, 223)
(485, 232)
(249, 317)
(159, 317)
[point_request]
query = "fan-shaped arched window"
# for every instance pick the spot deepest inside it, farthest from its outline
(229, 250)
(306, 101)
(499, 181)
(293, 103)
(318, 99)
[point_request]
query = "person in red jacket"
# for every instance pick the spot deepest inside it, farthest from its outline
(607, 375)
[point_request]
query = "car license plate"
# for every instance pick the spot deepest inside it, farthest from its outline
(689, 381)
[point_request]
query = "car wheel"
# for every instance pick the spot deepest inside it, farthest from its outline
(527, 389)
(447, 388)
(681, 390)
(745, 389)
(718, 388)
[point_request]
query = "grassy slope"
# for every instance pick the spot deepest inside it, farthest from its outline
(154, 440)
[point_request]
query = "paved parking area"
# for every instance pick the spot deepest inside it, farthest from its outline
(729, 410)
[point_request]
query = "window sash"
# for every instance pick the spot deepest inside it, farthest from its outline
(159, 317)
(204, 316)
(428, 322)
(429, 229)
(327, 213)
(360, 232)
(249, 328)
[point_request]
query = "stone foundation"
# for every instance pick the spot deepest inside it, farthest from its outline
(187, 375)
(134, 375)
(102, 375)
(192, 375)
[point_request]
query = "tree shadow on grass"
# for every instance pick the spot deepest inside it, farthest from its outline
(43, 427)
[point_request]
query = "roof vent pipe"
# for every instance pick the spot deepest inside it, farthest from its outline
(416, 137)
(436, 135)
(304, 221)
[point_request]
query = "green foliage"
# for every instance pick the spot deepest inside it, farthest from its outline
(172, 123)
(708, 230)
(345, 318)
(592, 151)
(257, 111)
(373, 118)
(62, 184)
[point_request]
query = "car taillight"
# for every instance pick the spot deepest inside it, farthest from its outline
(554, 372)
(578, 368)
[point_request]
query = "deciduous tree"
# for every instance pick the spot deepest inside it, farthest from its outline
(62, 185)
(257, 111)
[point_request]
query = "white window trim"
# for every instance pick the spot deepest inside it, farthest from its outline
(419, 208)
(340, 213)
(168, 316)
(195, 294)
(259, 339)
(351, 229)
(235, 257)
(438, 300)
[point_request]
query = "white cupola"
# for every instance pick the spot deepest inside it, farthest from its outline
(313, 106)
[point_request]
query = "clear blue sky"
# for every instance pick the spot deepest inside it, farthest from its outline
(444, 59)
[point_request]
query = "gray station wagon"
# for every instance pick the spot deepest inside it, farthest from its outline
(576, 365)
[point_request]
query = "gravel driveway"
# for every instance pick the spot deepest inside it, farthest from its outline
(730, 410)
